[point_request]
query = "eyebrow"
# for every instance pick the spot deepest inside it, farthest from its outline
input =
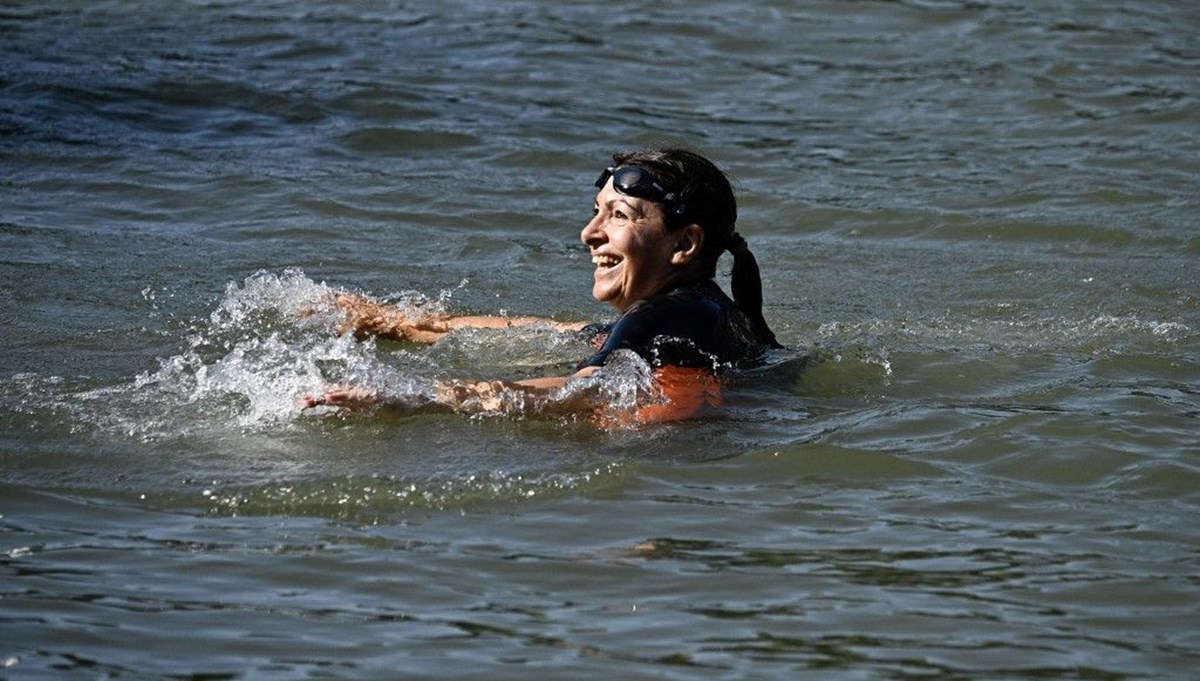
(638, 212)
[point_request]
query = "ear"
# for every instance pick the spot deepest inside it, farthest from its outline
(687, 244)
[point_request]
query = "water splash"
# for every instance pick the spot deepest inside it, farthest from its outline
(272, 338)
(624, 383)
(223, 409)
(268, 340)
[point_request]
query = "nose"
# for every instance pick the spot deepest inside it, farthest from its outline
(593, 232)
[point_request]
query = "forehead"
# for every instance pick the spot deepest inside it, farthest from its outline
(609, 197)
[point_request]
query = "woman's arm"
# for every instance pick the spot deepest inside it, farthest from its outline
(538, 394)
(532, 394)
(368, 317)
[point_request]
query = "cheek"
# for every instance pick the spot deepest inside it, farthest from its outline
(649, 249)
(637, 243)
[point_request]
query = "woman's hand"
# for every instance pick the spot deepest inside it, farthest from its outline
(366, 317)
(342, 396)
(481, 396)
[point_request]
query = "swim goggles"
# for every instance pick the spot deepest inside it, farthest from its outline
(639, 183)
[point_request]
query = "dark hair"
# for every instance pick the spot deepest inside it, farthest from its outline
(708, 201)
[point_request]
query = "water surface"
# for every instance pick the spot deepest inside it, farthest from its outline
(976, 459)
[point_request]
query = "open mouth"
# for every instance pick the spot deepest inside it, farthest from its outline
(606, 261)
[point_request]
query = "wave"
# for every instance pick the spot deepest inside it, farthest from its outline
(1102, 334)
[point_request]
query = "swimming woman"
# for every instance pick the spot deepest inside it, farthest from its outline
(661, 220)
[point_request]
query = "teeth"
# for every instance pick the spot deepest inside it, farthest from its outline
(605, 260)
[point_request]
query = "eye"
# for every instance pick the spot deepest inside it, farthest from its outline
(620, 214)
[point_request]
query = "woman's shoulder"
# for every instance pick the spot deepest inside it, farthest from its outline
(698, 295)
(693, 325)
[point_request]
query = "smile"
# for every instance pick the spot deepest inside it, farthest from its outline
(605, 260)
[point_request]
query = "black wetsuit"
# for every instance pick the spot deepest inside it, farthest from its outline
(694, 325)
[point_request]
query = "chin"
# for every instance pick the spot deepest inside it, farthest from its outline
(603, 296)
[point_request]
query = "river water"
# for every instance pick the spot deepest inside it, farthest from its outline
(977, 458)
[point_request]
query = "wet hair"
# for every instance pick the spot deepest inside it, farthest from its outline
(708, 201)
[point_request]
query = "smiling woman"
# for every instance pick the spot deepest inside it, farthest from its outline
(661, 220)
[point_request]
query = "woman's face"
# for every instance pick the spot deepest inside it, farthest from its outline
(630, 247)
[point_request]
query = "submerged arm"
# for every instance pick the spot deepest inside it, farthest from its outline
(368, 317)
(539, 394)
(536, 394)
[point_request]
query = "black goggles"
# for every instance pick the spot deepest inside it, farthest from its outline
(639, 183)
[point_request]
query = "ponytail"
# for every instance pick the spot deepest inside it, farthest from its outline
(746, 283)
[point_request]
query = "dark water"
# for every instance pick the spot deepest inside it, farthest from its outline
(978, 460)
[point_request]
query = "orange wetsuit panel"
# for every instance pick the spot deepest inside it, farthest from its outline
(681, 393)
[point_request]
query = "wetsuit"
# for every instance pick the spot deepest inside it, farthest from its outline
(694, 325)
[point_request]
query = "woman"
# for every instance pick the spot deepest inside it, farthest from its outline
(661, 220)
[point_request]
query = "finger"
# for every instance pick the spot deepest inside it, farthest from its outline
(337, 396)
